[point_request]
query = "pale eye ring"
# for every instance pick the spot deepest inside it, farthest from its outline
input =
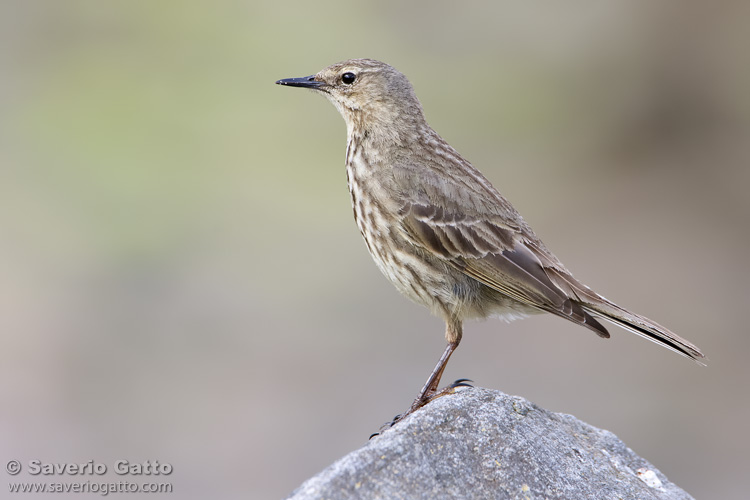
(348, 78)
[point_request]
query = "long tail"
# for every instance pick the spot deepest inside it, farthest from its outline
(600, 307)
(642, 326)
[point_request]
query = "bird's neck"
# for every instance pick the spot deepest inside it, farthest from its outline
(385, 133)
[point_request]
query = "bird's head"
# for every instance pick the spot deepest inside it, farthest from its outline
(371, 96)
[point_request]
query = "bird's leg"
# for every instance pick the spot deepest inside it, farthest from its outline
(453, 334)
(430, 388)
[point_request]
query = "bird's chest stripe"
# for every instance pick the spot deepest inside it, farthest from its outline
(369, 213)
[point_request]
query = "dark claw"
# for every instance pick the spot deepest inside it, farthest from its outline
(462, 382)
(386, 426)
(390, 424)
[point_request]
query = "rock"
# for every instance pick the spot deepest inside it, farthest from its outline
(479, 443)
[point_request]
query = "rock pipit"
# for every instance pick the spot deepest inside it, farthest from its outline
(437, 228)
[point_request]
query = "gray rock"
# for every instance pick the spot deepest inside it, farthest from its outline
(479, 444)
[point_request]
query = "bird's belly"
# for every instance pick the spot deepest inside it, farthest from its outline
(433, 283)
(415, 277)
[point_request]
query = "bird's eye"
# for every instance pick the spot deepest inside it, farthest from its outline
(348, 78)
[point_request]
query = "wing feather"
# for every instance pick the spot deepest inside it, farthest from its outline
(495, 255)
(470, 226)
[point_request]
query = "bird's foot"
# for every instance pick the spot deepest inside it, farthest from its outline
(421, 401)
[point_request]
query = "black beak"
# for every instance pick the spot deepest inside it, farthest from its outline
(308, 82)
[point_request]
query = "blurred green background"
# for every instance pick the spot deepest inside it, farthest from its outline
(182, 280)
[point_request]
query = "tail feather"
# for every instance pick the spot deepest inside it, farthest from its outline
(600, 307)
(644, 327)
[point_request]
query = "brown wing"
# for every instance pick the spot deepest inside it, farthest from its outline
(492, 252)
(467, 223)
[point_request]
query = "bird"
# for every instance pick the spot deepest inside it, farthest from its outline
(438, 229)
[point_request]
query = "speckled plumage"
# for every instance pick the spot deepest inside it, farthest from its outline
(437, 228)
